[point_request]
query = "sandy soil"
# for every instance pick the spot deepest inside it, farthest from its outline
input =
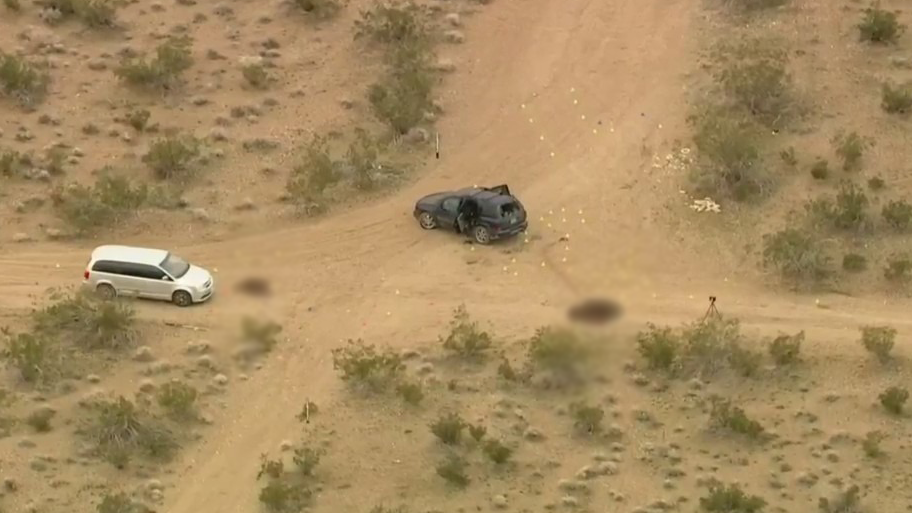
(569, 102)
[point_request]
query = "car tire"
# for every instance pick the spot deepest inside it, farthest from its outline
(481, 234)
(106, 292)
(182, 298)
(427, 221)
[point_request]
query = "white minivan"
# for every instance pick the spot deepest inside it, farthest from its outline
(146, 273)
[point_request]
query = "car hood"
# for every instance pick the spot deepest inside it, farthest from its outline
(196, 277)
(432, 199)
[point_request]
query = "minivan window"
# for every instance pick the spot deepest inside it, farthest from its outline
(106, 266)
(509, 210)
(175, 265)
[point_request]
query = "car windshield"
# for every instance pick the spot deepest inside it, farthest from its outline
(175, 266)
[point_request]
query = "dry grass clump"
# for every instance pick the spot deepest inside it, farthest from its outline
(120, 429)
(171, 59)
(289, 490)
(465, 338)
(21, 80)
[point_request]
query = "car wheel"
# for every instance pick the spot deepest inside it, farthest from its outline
(427, 221)
(481, 234)
(182, 298)
(106, 292)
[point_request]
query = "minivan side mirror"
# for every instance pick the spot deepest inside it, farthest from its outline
(166, 278)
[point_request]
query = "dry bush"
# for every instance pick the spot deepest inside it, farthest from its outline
(898, 270)
(820, 170)
(138, 119)
(786, 349)
(40, 419)
(880, 26)
(367, 367)
(894, 399)
(729, 162)
(111, 200)
(280, 496)
(363, 160)
(559, 352)
(35, 356)
(315, 173)
(255, 75)
(587, 419)
(263, 334)
(796, 255)
(88, 321)
(395, 23)
(898, 214)
(121, 503)
(896, 99)
(854, 263)
(173, 158)
(848, 212)
(724, 415)
(753, 74)
(92, 13)
(846, 501)
(871, 444)
(851, 148)
(410, 392)
(22, 81)
(12, 5)
(120, 429)
(178, 399)
(448, 428)
(319, 9)
(879, 341)
(306, 459)
(730, 499)
(454, 470)
(13, 163)
(466, 339)
(754, 5)
(172, 58)
(497, 452)
(659, 347)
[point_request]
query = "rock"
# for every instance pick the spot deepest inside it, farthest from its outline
(246, 204)
(200, 214)
(198, 347)
(218, 134)
(154, 484)
(347, 103)
(417, 135)
(22, 237)
(499, 501)
(206, 362)
(220, 379)
(570, 501)
(143, 354)
(146, 385)
(453, 19)
(93, 378)
(286, 445)
(533, 434)
(444, 65)
(454, 36)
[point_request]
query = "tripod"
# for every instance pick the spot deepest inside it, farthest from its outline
(712, 310)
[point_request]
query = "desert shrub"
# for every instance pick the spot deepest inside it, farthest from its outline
(111, 200)
(120, 503)
(506, 371)
(13, 163)
(21, 80)
(396, 23)
(411, 393)
(403, 96)
(730, 499)
(12, 5)
(33, 355)
(850, 148)
(138, 119)
(587, 419)
(255, 75)
(54, 160)
(40, 419)
(453, 469)
(876, 183)
(178, 399)
(496, 451)
(273, 469)
(477, 432)
(120, 429)
(854, 263)
(796, 255)
(263, 334)
(786, 349)
(173, 158)
(172, 58)
(846, 501)
(319, 9)
(729, 156)
(898, 269)
(448, 428)
(658, 346)
(724, 415)
(894, 399)
(306, 459)
(897, 214)
(314, 173)
(820, 170)
(871, 444)
(466, 339)
(558, 350)
(279, 496)
(789, 157)
(710, 344)
(88, 321)
(879, 341)
(896, 99)
(848, 212)
(879, 26)
(753, 74)
(744, 361)
(365, 366)
(362, 158)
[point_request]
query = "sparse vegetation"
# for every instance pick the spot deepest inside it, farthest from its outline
(313, 175)
(850, 148)
(796, 255)
(173, 158)
(820, 170)
(786, 349)
(363, 156)
(497, 451)
(587, 419)
(12, 5)
(255, 75)
(659, 347)
(178, 399)
(172, 58)
(753, 73)
(283, 497)
(558, 351)
(871, 444)
(319, 9)
(730, 499)
(448, 428)
(898, 214)
(896, 99)
(306, 459)
(120, 429)
(854, 263)
(111, 200)
(465, 338)
(729, 163)
(453, 469)
(846, 501)
(120, 503)
(21, 80)
(847, 213)
(263, 334)
(724, 415)
(367, 367)
(880, 26)
(894, 399)
(410, 392)
(40, 419)
(879, 341)
(92, 13)
(34, 356)
(88, 322)
(898, 269)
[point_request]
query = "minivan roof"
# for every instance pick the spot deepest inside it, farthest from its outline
(137, 255)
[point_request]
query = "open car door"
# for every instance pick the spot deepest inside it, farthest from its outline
(502, 189)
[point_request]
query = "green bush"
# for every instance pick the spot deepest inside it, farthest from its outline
(466, 339)
(854, 263)
(896, 99)
(13, 163)
(898, 214)
(730, 499)
(22, 81)
(879, 26)
(724, 415)
(411, 393)
(871, 444)
(178, 399)
(40, 419)
(139, 119)
(729, 157)
(659, 347)
(894, 399)
(448, 428)
(710, 344)
(35, 356)
(120, 503)
(314, 174)
(366, 366)
(172, 58)
(173, 158)
(402, 98)
(850, 148)
(111, 200)
(879, 341)
(88, 321)
(363, 159)
(847, 213)
(477, 432)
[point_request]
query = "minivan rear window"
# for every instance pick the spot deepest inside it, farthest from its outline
(511, 209)
(175, 266)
